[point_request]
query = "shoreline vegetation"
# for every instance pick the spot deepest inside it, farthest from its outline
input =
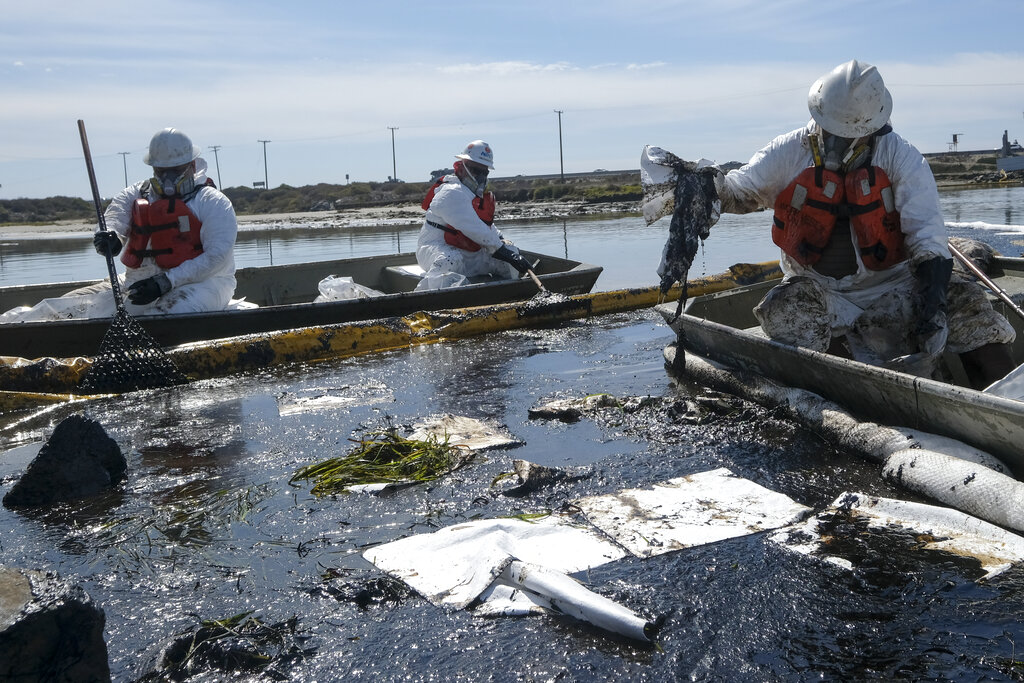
(397, 203)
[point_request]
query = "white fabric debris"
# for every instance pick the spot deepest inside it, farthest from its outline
(950, 530)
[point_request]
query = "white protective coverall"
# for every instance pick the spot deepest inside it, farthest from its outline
(204, 283)
(886, 295)
(448, 266)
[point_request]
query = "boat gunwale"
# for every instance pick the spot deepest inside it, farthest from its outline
(927, 404)
(22, 339)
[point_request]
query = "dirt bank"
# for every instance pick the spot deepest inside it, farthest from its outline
(400, 214)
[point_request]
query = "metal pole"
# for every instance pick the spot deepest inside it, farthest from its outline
(217, 161)
(561, 162)
(266, 182)
(124, 160)
(980, 274)
(394, 167)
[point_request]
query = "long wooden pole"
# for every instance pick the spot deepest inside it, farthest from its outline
(100, 220)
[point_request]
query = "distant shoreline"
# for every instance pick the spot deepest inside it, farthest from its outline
(401, 214)
(377, 216)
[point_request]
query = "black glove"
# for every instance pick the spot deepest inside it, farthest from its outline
(106, 242)
(512, 258)
(932, 281)
(152, 288)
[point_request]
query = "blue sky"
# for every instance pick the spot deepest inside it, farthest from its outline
(324, 81)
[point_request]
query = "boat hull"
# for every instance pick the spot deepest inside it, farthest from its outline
(718, 327)
(277, 289)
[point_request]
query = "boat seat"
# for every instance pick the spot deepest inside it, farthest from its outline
(403, 278)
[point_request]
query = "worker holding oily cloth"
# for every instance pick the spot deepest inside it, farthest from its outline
(865, 254)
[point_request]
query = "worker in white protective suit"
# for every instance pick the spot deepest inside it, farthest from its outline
(864, 247)
(458, 239)
(175, 233)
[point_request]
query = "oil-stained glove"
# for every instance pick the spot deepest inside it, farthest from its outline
(505, 254)
(146, 291)
(106, 242)
(932, 282)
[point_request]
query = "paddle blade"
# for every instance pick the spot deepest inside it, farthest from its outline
(129, 359)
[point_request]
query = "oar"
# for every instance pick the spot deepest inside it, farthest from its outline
(980, 274)
(128, 358)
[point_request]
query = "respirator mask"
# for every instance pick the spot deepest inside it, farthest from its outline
(170, 182)
(473, 176)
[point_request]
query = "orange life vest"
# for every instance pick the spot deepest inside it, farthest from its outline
(484, 207)
(165, 229)
(807, 211)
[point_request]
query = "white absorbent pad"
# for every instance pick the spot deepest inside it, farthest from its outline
(513, 566)
(689, 511)
(940, 528)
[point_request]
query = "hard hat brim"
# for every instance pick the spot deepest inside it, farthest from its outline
(196, 151)
(466, 157)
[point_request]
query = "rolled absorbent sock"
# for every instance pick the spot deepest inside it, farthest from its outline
(571, 597)
(967, 486)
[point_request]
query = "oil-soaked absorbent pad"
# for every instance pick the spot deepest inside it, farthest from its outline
(513, 566)
(944, 529)
(690, 511)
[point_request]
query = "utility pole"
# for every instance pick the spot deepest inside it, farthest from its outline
(124, 160)
(561, 162)
(266, 182)
(394, 167)
(217, 161)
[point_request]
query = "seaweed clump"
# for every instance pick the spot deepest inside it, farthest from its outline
(384, 457)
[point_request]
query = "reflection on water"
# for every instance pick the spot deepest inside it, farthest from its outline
(628, 250)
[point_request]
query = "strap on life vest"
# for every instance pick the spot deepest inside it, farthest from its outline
(484, 207)
(807, 210)
(805, 215)
(454, 237)
(165, 230)
(874, 219)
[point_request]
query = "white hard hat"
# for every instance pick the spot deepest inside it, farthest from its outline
(478, 151)
(169, 148)
(850, 101)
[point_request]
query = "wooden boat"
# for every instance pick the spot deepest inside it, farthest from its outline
(284, 295)
(721, 328)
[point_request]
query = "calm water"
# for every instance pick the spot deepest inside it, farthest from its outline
(628, 250)
(207, 525)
